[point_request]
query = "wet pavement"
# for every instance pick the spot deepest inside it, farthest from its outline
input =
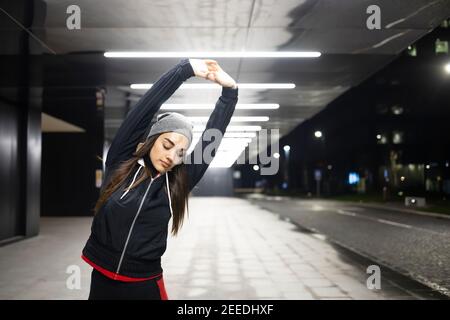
(228, 248)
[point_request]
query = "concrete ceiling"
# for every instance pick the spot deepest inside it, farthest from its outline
(337, 29)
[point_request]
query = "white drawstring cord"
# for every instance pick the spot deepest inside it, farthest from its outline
(168, 192)
(142, 164)
(129, 187)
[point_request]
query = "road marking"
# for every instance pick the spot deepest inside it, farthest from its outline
(395, 223)
(389, 222)
(347, 213)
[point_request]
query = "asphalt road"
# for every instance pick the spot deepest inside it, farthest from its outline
(414, 245)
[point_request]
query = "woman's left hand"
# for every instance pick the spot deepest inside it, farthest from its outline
(218, 75)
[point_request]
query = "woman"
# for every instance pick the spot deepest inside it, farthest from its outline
(147, 182)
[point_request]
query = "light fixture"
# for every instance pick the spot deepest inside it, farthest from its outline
(233, 119)
(212, 54)
(210, 106)
(286, 148)
(145, 86)
(276, 155)
(232, 134)
(230, 128)
(447, 68)
(256, 167)
(240, 134)
(318, 134)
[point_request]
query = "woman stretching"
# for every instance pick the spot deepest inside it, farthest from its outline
(147, 182)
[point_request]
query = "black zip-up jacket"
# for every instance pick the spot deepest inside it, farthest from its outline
(129, 232)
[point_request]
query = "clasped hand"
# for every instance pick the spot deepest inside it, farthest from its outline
(210, 69)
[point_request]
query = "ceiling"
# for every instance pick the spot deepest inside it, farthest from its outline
(350, 51)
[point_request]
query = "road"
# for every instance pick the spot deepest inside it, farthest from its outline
(415, 245)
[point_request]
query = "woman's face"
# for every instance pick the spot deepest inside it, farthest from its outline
(168, 151)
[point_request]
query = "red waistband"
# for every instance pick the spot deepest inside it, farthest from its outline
(116, 276)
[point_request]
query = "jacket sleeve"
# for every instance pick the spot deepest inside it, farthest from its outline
(219, 119)
(138, 119)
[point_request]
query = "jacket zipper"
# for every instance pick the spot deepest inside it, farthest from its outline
(131, 228)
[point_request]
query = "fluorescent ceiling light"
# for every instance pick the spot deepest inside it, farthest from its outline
(231, 128)
(210, 106)
(212, 54)
(232, 134)
(227, 141)
(233, 119)
(145, 86)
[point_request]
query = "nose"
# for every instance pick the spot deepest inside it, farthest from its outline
(170, 158)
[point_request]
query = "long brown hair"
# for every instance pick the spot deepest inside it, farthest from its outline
(179, 190)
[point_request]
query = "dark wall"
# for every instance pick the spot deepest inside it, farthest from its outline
(10, 222)
(20, 124)
(70, 159)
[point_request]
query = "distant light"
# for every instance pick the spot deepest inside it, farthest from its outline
(145, 86)
(318, 134)
(256, 167)
(330, 167)
(210, 106)
(230, 128)
(276, 155)
(353, 178)
(212, 54)
(413, 200)
(397, 109)
(286, 148)
(238, 134)
(428, 166)
(400, 193)
(402, 178)
(446, 164)
(378, 136)
(233, 119)
(447, 68)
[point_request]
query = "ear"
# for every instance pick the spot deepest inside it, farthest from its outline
(140, 144)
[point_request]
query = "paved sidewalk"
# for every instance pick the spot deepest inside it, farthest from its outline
(231, 249)
(227, 249)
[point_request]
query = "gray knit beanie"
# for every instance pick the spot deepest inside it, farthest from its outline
(172, 122)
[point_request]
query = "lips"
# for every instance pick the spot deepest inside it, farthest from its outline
(165, 165)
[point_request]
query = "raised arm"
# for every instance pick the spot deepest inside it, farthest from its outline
(138, 119)
(219, 119)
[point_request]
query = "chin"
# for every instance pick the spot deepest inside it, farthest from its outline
(161, 169)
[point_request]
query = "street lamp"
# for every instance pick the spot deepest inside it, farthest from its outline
(447, 68)
(318, 172)
(286, 149)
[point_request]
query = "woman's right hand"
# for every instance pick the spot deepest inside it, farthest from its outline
(210, 69)
(200, 67)
(218, 75)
